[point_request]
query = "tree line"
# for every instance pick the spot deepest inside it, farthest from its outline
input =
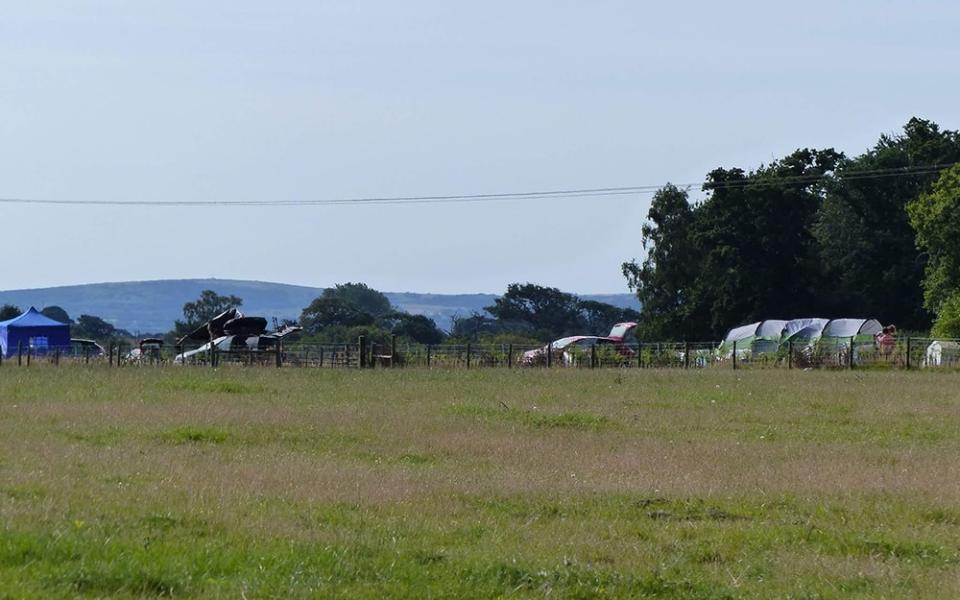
(526, 313)
(815, 233)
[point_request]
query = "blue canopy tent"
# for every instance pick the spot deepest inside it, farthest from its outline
(35, 331)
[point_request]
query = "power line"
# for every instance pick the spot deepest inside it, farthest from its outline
(865, 174)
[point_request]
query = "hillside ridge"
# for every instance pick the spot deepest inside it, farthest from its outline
(153, 305)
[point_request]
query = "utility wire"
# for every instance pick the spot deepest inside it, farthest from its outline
(759, 181)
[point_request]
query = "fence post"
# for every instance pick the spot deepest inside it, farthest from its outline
(86, 355)
(850, 356)
(321, 356)
(549, 355)
(29, 352)
(429, 352)
(19, 353)
(734, 355)
(510, 356)
(362, 344)
(468, 355)
(790, 354)
(279, 353)
(593, 356)
(393, 351)
(686, 355)
(908, 353)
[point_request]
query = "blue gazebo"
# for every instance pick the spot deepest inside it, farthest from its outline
(33, 330)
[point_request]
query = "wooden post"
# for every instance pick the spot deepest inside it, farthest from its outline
(686, 355)
(510, 356)
(393, 351)
(639, 355)
(278, 351)
(362, 343)
(321, 356)
(593, 356)
(734, 355)
(468, 356)
(429, 352)
(29, 353)
(790, 354)
(908, 354)
(850, 355)
(86, 355)
(19, 353)
(549, 355)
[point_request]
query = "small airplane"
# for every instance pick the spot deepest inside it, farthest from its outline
(565, 350)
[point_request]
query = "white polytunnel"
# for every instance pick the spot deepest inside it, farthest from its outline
(755, 338)
(847, 328)
(771, 336)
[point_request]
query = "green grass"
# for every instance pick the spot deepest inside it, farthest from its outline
(174, 482)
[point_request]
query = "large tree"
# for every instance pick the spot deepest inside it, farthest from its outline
(204, 308)
(56, 313)
(418, 328)
(867, 244)
(664, 281)
(936, 218)
(9, 311)
(550, 311)
(754, 237)
(745, 253)
(333, 312)
(361, 296)
(95, 328)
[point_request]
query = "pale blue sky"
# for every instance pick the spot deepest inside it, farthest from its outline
(234, 100)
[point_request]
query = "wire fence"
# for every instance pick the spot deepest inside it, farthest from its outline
(852, 353)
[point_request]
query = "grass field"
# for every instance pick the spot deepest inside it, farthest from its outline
(485, 483)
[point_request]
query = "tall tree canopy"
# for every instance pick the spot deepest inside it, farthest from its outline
(863, 232)
(664, 281)
(547, 309)
(744, 253)
(936, 218)
(95, 328)
(361, 296)
(56, 313)
(9, 311)
(204, 308)
(545, 313)
(812, 233)
(327, 311)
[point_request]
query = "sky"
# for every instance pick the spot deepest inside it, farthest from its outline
(312, 100)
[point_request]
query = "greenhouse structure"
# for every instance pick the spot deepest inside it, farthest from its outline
(772, 336)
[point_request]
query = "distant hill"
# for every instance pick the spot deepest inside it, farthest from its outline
(152, 306)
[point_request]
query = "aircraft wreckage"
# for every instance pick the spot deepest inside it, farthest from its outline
(231, 331)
